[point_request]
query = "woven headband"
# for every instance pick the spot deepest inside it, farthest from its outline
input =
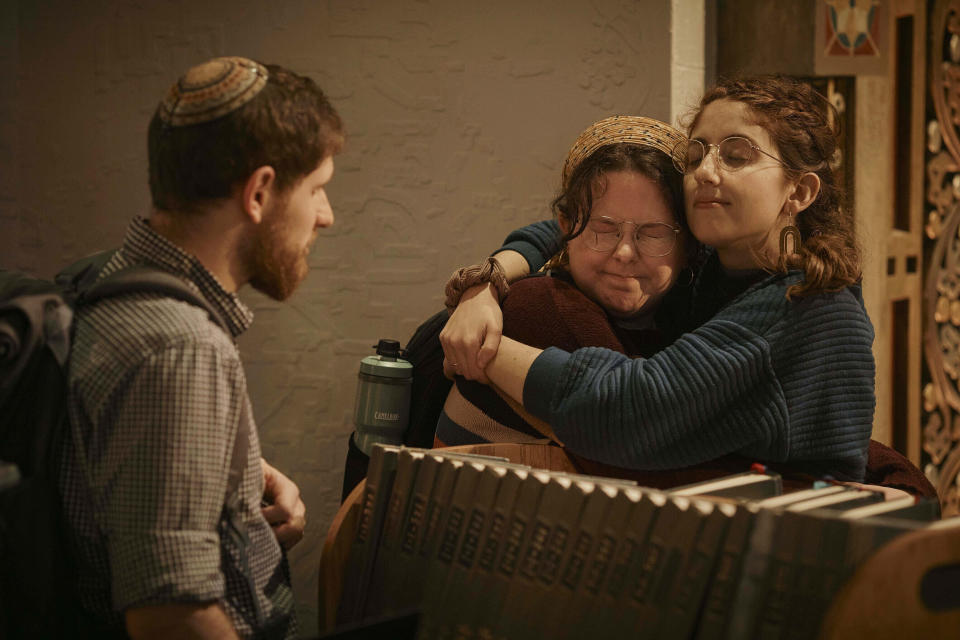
(646, 132)
(211, 90)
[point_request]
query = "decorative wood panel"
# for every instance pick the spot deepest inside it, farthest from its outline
(941, 328)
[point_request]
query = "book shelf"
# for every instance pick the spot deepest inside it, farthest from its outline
(909, 588)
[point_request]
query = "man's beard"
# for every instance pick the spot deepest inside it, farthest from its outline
(276, 266)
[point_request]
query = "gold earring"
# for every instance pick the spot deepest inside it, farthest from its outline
(790, 231)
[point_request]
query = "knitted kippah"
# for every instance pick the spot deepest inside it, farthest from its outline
(616, 129)
(211, 90)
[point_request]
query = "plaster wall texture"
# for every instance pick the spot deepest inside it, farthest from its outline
(459, 115)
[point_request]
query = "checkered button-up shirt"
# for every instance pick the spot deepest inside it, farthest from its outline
(156, 397)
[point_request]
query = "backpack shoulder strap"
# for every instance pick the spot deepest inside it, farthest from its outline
(146, 279)
(236, 529)
(238, 460)
(80, 275)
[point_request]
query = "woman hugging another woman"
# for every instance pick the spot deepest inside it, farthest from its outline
(773, 361)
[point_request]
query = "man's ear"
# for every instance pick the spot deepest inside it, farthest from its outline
(566, 226)
(805, 192)
(257, 191)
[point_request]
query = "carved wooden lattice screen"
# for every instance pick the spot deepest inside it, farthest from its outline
(941, 322)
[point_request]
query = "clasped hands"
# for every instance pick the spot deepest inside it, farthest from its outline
(472, 334)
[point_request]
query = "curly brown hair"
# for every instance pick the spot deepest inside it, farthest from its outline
(574, 203)
(290, 125)
(805, 127)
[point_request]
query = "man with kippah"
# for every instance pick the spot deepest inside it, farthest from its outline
(240, 154)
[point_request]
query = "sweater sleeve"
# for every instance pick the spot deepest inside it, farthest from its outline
(536, 242)
(767, 378)
(712, 392)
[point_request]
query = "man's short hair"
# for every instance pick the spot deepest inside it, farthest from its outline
(289, 125)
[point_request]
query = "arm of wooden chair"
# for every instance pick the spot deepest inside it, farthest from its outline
(910, 588)
(333, 558)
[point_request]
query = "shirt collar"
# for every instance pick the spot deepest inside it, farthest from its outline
(143, 244)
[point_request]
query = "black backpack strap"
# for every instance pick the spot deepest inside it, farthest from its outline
(80, 275)
(146, 279)
(238, 461)
(236, 529)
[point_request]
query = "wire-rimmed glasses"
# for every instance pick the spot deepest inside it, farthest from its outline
(651, 239)
(733, 153)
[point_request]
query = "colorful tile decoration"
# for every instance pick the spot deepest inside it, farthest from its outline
(852, 27)
(851, 36)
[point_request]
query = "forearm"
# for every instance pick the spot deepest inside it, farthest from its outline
(693, 401)
(179, 620)
(514, 265)
(536, 242)
(509, 367)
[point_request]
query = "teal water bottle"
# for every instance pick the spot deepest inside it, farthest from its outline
(382, 406)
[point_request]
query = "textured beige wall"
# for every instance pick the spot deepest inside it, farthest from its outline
(459, 115)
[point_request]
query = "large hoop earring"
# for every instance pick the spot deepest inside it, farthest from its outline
(686, 276)
(789, 231)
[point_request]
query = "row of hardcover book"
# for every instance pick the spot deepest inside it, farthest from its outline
(485, 548)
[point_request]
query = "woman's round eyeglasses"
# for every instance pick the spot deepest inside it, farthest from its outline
(733, 153)
(651, 239)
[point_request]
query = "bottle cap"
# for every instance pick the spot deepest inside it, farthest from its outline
(386, 363)
(388, 348)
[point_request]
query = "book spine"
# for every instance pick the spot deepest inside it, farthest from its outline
(725, 577)
(750, 585)
(669, 543)
(805, 593)
(566, 592)
(407, 464)
(683, 603)
(449, 604)
(830, 572)
(781, 575)
(517, 532)
(347, 610)
(564, 559)
(449, 540)
(579, 619)
(631, 549)
(480, 580)
(435, 518)
(381, 498)
(559, 507)
(412, 530)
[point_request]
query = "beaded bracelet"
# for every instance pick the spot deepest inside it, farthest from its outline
(465, 277)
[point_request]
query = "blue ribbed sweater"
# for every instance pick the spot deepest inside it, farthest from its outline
(762, 376)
